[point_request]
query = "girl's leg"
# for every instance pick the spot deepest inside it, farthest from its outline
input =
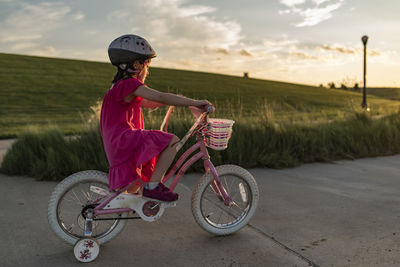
(164, 161)
(133, 189)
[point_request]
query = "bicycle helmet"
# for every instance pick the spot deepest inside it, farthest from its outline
(128, 48)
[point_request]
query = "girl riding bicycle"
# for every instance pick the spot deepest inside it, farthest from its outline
(85, 214)
(134, 153)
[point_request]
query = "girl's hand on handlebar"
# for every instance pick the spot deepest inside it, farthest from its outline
(203, 104)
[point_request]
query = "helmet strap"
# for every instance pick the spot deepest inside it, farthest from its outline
(128, 68)
(125, 71)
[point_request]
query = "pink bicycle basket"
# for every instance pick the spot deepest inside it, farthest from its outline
(218, 133)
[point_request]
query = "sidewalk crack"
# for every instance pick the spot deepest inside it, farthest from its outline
(273, 239)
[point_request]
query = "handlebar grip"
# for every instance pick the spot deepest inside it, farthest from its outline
(210, 109)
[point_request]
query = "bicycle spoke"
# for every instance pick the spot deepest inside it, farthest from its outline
(216, 212)
(70, 199)
(212, 188)
(226, 185)
(231, 184)
(219, 219)
(71, 206)
(85, 195)
(77, 197)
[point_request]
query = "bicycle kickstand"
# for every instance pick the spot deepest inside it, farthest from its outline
(89, 224)
(87, 249)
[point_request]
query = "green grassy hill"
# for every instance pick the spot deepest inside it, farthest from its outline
(39, 91)
(389, 93)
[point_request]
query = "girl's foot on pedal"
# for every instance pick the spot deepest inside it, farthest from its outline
(161, 192)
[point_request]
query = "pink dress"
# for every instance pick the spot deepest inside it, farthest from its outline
(131, 151)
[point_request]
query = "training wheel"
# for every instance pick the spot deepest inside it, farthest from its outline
(86, 249)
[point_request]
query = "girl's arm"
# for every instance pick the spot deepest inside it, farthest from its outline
(151, 104)
(164, 98)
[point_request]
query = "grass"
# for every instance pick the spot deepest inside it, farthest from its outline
(47, 154)
(391, 93)
(277, 125)
(41, 91)
(388, 93)
(257, 142)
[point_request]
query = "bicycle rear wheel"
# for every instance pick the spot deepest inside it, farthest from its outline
(208, 207)
(67, 201)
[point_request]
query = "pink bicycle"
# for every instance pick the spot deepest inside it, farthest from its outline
(84, 213)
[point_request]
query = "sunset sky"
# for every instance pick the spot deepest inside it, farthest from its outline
(300, 41)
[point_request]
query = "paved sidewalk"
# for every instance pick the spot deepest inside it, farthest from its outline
(174, 240)
(5, 144)
(341, 214)
(345, 213)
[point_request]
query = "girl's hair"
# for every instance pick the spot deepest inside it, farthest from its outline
(126, 73)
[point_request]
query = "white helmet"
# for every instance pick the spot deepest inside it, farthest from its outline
(128, 48)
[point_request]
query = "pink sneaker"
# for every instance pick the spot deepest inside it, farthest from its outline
(161, 192)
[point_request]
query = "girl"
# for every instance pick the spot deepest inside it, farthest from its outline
(134, 153)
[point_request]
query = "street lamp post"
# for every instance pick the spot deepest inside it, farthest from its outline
(364, 39)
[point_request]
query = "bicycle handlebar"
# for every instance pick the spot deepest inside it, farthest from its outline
(164, 126)
(191, 130)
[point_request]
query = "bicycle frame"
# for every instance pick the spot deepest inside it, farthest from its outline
(208, 166)
(178, 169)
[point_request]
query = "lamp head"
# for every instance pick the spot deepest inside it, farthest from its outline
(364, 39)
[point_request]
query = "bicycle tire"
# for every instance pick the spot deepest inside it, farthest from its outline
(203, 197)
(89, 177)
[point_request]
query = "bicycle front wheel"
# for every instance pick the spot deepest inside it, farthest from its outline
(67, 201)
(208, 207)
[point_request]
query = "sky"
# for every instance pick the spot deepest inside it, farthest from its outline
(300, 41)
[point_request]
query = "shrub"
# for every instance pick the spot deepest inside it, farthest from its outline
(256, 142)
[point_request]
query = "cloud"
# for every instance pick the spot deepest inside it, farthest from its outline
(194, 11)
(175, 25)
(29, 24)
(11, 38)
(47, 51)
(222, 51)
(374, 53)
(286, 51)
(311, 15)
(303, 55)
(292, 3)
(79, 16)
(184, 35)
(318, 2)
(340, 49)
(345, 50)
(23, 45)
(245, 53)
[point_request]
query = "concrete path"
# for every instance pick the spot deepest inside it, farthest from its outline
(341, 214)
(5, 144)
(174, 240)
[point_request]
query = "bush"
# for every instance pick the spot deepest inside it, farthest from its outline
(48, 155)
(256, 142)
